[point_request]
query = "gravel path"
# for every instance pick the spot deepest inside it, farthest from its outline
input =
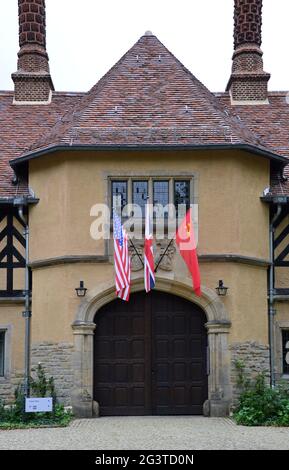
(148, 433)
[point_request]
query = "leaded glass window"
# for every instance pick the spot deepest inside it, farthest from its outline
(119, 194)
(161, 192)
(182, 194)
(160, 198)
(140, 194)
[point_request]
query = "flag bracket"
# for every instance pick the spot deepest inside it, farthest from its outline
(136, 251)
(163, 255)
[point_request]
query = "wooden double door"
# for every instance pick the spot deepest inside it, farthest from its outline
(150, 357)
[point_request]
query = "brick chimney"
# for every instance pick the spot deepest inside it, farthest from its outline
(33, 83)
(248, 81)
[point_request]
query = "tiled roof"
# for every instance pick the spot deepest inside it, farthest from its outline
(21, 125)
(270, 123)
(148, 97)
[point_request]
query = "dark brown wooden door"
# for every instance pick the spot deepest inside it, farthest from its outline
(150, 357)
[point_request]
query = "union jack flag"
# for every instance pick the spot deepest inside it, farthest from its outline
(122, 262)
(149, 265)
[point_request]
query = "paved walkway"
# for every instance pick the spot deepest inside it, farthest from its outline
(148, 433)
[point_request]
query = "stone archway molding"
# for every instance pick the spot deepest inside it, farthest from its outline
(182, 287)
(218, 325)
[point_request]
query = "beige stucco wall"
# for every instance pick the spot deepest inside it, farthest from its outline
(55, 309)
(232, 219)
(282, 311)
(246, 302)
(229, 185)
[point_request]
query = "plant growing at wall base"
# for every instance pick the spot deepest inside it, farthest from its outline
(259, 404)
(15, 416)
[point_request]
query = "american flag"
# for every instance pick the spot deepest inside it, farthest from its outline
(149, 265)
(122, 262)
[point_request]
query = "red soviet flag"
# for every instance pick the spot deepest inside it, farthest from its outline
(185, 240)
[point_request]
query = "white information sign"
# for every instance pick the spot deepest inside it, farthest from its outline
(38, 405)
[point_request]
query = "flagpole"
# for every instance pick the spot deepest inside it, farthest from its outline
(149, 265)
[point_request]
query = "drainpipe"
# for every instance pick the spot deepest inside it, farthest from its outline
(272, 297)
(20, 203)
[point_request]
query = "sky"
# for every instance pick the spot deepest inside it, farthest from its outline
(86, 38)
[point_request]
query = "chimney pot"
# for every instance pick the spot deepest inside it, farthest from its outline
(248, 82)
(32, 80)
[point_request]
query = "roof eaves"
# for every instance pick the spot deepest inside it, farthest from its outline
(149, 147)
(276, 199)
(10, 200)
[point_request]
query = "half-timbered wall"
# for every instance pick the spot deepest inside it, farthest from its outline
(281, 252)
(281, 285)
(12, 253)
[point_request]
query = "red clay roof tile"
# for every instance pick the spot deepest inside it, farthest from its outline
(270, 123)
(21, 125)
(148, 97)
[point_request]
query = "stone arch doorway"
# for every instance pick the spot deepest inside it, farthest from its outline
(150, 357)
(218, 327)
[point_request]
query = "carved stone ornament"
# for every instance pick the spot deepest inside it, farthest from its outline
(136, 254)
(159, 249)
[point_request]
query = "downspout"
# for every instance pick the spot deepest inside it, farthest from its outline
(272, 297)
(21, 203)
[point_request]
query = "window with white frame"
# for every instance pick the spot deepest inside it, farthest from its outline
(2, 353)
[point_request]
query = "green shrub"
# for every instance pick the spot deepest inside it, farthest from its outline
(14, 416)
(259, 404)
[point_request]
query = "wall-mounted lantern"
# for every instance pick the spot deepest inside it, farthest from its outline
(81, 290)
(221, 289)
